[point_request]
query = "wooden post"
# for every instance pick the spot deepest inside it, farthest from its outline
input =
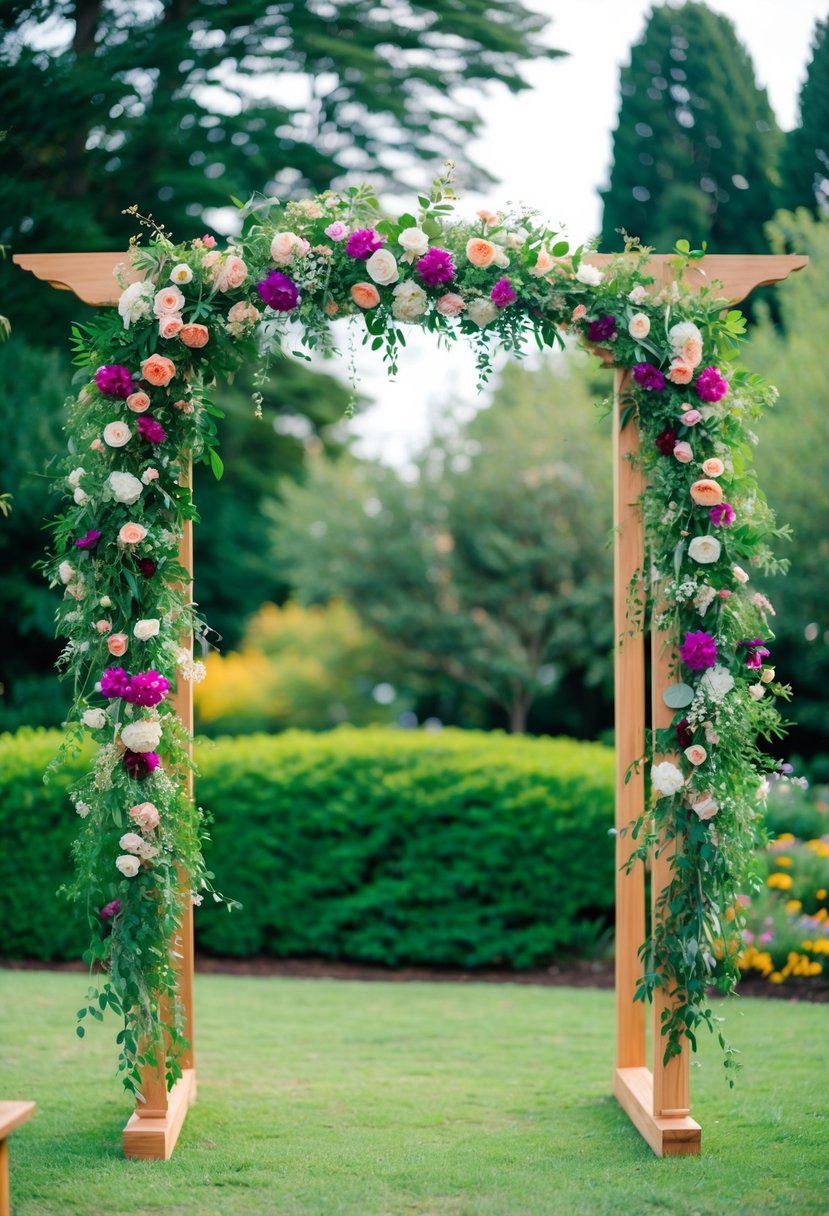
(653, 1101)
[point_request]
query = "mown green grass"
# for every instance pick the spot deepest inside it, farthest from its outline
(318, 1098)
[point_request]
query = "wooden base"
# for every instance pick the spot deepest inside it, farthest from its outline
(154, 1139)
(678, 1137)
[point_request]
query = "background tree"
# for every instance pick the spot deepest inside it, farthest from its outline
(793, 465)
(696, 145)
(490, 567)
(804, 164)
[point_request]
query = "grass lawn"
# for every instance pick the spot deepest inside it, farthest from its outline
(320, 1097)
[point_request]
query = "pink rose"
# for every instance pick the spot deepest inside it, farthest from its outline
(186, 407)
(145, 815)
(696, 754)
(96, 446)
(543, 263)
(243, 313)
(117, 644)
(138, 402)
(683, 452)
(680, 372)
(233, 274)
(337, 231)
(149, 475)
(208, 241)
(578, 312)
(132, 534)
(168, 301)
(211, 260)
(285, 246)
(451, 304)
(168, 327)
(103, 626)
(691, 417)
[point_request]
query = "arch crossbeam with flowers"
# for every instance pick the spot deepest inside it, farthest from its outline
(687, 508)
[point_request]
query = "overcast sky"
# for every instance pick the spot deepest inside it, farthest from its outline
(551, 147)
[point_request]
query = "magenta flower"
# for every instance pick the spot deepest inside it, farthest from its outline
(602, 330)
(503, 294)
(278, 291)
(147, 688)
(723, 515)
(363, 243)
(436, 267)
(140, 764)
(757, 651)
(150, 429)
(146, 566)
(666, 441)
(710, 385)
(114, 380)
(698, 651)
(648, 377)
(115, 682)
(89, 541)
(110, 910)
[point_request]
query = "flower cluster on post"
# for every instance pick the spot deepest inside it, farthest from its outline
(194, 314)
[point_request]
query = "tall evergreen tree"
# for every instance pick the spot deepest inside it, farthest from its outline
(804, 166)
(696, 144)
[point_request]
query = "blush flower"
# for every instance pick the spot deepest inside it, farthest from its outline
(705, 492)
(698, 651)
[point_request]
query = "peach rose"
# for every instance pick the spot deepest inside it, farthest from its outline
(639, 326)
(488, 217)
(451, 304)
(680, 372)
(169, 325)
(96, 446)
(713, 467)
(186, 407)
(138, 402)
(243, 314)
(210, 261)
(543, 263)
(696, 754)
(116, 434)
(683, 452)
(330, 308)
(103, 626)
(167, 301)
(117, 644)
(233, 274)
(132, 534)
(365, 295)
(480, 252)
(287, 245)
(158, 369)
(691, 351)
(195, 336)
(578, 312)
(706, 493)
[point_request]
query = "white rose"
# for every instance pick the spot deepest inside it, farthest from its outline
(83, 809)
(181, 274)
(739, 574)
(638, 295)
(666, 778)
(94, 718)
(134, 303)
(501, 260)
(131, 842)
(415, 242)
(756, 691)
(147, 628)
(80, 496)
(116, 434)
(704, 598)
(75, 477)
(128, 865)
(409, 301)
(716, 683)
(481, 311)
(704, 549)
(382, 267)
(125, 488)
(141, 736)
(679, 334)
(589, 275)
(66, 572)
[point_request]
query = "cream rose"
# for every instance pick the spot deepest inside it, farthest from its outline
(124, 487)
(168, 300)
(638, 295)
(233, 274)
(704, 549)
(141, 736)
(481, 311)
(409, 301)
(287, 245)
(94, 718)
(117, 434)
(243, 314)
(66, 572)
(639, 326)
(381, 267)
(145, 815)
(591, 276)
(414, 243)
(713, 467)
(705, 806)
(739, 574)
(128, 865)
(146, 628)
(767, 675)
(666, 778)
(132, 534)
(716, 683)
(544, 263)
(80, 496)
(696, 754)
(75, 476)
(756, 691)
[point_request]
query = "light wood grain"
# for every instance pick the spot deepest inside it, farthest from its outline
(154, 1139)
(12, 1115)
(668, 1137)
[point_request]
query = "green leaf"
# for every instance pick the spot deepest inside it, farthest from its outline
(216, 464)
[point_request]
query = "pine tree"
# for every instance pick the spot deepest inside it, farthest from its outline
(696, 144)
(804, 168)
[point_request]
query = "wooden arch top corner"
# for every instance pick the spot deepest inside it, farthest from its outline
(91, 276)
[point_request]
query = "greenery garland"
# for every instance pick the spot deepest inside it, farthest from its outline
(144, 411)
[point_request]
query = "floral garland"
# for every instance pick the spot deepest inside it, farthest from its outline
(144, 411)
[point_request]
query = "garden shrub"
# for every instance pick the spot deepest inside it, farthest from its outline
(451, 848)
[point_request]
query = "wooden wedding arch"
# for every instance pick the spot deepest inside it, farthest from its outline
(657, 1100)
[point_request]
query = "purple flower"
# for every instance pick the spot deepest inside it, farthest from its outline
(503, 294)
(648, 377)
(110, 910)
(146, 566)
(115, 682)
(684, 737)
(150, 429)
(435, 267)
(363, 243)
(278, 291)
(602, 330)
(723, 515)
(147, 688)
(114, 380)
(757, 651)
(89, 541)
(140, 764)
(710, 385)
(698, 651)
(666, 441)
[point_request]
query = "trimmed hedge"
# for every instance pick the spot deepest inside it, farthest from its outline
(452, 848)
